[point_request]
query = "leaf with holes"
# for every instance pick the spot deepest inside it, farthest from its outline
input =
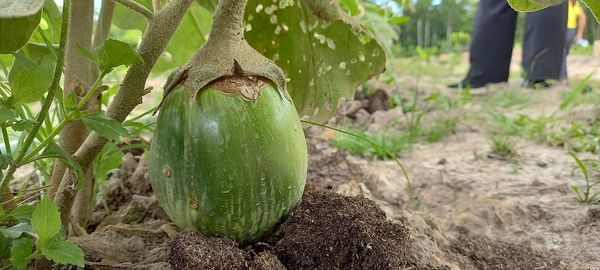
(325, 54)
(533, 5)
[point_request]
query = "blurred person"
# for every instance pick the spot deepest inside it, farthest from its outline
(575, 28)
(493, 40)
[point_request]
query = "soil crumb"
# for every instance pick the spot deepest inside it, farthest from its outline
(192, 250)
(331, 231)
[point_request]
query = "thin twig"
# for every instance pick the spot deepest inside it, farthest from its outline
(158, 34)
(58, 70)
(156, 5)
(137, 7)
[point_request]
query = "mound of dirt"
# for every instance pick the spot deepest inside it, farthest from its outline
(339, 232)
(326, 231)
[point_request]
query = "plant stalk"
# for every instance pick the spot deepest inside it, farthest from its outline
(80, 73)
(228, 22)
(160, 31)
(6, 140)
(47, 103)
(137, 7)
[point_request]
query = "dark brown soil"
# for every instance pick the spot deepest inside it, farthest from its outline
(326, 231)
(330, 231)
(192, 250)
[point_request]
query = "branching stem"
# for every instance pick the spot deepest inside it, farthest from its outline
(137, 7)
(49, 98)
(159, 33)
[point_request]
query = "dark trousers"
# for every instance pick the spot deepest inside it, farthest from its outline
(493, 40)
(569, 38)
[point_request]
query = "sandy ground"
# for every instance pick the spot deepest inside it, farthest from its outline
(461, 186)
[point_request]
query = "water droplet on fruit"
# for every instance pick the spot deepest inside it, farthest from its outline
(226, 186)
(361, 57)
(330, 44)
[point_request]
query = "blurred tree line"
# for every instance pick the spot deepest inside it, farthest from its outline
(442, 26)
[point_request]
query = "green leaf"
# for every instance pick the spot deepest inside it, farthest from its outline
(17, 230)
(16, 32)
(22, 213)
(399, 19)
(108, 159)
(6, 114)
(573, 94)
(351, 6)
(46, 220)
(325, 59)
(18, 20)
(594, 6)
(87, 53)
(190, 35)
(105, 126)
(30, 81)
(52, 150)
(5, 244)
(114, 53)
(20, 8)
(23, 125)
(533, 5)
(582, 166)
(20, 251)
(63, 252)
(127, 19)
(525, 5)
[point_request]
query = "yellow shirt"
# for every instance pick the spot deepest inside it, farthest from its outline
(575, 11)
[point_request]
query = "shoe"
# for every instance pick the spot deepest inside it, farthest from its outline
(536, 84)
(465, 84)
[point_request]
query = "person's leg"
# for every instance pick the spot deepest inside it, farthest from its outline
(570, 36)
(544, 43)
(493, 40)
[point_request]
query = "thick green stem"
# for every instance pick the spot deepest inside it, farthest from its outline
(92, 90)
(6, 140)
(44, 143)
(228, 24)
(47, 103)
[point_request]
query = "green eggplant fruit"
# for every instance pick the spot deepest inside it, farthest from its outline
(232, 162)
